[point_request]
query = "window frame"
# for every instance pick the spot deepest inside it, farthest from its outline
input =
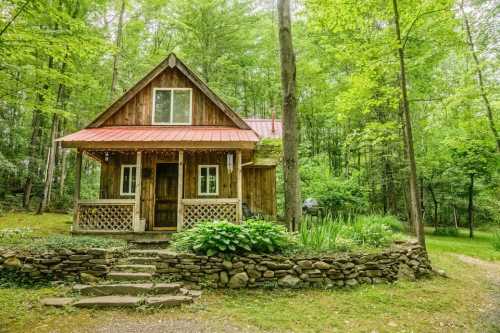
(130, 181)
(172, 106)
(202, 166)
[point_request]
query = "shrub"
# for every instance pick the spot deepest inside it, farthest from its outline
(342, 234)
(220, 236)
(496, 240)
(446, 231)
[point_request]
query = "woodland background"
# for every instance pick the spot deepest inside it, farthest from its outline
(64, 61)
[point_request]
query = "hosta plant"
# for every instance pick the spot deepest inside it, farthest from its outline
(223, 237)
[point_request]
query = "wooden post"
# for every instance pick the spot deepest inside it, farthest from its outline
(239, 186)
(76, 194)
(180, 189)
(138, 177)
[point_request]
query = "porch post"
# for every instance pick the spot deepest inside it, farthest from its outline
(76, 194)
(239, 186)
(138, 227)
(180, 189)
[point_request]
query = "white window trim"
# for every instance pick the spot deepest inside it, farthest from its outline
(121, 179)
(172, 106)
(216, 178)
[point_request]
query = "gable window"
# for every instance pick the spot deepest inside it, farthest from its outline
(208, 180)
(127, 183)
(172, 106)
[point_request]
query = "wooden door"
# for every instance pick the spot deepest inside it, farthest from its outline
(166, 196)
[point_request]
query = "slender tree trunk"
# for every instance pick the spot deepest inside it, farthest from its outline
(408, 136)
(116, 56)
(480, 80)
(470, 209)
(455, 217)
(433, 196)
(34, 149)
(64, 156)
(290, 126)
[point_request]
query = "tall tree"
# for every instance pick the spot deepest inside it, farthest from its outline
(408, 135)
(117, 53)
(290, 126)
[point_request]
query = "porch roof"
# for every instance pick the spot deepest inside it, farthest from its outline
(161, 137)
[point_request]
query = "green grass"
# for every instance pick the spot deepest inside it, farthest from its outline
(42, 225)
(457, 304)
(481, 246)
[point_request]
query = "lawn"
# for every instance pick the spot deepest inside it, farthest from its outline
(460, 303)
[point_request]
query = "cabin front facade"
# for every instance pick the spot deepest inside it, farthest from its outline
(172, 154)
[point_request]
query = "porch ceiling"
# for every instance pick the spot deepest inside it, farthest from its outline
(194, 137)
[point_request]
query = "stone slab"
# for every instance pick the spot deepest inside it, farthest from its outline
(125, 276)
(132, 289)
(138, 268)
(108, 301)
(169, 300)
(57, 301)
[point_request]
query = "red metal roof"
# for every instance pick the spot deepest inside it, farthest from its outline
(264, 127)
(159, 134)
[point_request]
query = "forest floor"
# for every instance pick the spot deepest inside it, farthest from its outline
(467, 301)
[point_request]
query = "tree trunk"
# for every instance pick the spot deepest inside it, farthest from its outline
(408, 136)
(290, 128)
(433, 196)
(34, 149)
(470, 209)
(455, 216)
(116, 56)
(479, 73)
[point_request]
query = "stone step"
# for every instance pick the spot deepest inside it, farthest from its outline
(135, 268)
(145, 253)
(119, 301)
(149, 244)
(168, 301)
(127, 276)
(140, 260)
(132, 289)
(108, 301)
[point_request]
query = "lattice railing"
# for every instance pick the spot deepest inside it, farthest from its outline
(197, 210)
(105, 215)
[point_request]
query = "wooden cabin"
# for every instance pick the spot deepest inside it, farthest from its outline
(172, 154)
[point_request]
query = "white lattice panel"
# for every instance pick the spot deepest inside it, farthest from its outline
(209, 211)
(106, 217)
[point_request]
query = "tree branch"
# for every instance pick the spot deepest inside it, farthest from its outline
(14, 17)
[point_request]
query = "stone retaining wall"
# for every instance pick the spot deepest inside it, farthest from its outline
(67, 264)
(402, 260)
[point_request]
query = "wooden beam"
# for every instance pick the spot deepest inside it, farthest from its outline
(239, 186)
(180, 190)
(138, 189)
(76, 194)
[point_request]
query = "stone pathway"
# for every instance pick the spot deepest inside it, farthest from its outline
(492, 273)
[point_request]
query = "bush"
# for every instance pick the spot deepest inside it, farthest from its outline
(342, 234)
(446, 231)
(220, 236)
(496, 240)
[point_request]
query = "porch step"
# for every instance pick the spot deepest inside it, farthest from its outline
(128, 276)
(140, 260)
(132, 289)
(135, 268)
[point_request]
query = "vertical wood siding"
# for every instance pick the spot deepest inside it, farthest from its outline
(138, 111)
(259, 190)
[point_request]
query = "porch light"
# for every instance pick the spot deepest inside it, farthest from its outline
(106, 156)
(230, 162)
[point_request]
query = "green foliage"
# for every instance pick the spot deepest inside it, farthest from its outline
(223, 237)
(496, 240)
(446, 231)
(24, 239)
(343, 234)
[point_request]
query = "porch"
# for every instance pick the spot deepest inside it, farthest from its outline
(159, 191)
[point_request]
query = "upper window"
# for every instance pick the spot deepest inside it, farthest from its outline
(127, 183)
(208, 180)
(172, 106)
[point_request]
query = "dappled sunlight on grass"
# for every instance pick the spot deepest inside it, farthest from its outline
(42, 225)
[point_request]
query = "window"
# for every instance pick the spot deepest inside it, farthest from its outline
(172, 106)
(128, 180)
(208, 180)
